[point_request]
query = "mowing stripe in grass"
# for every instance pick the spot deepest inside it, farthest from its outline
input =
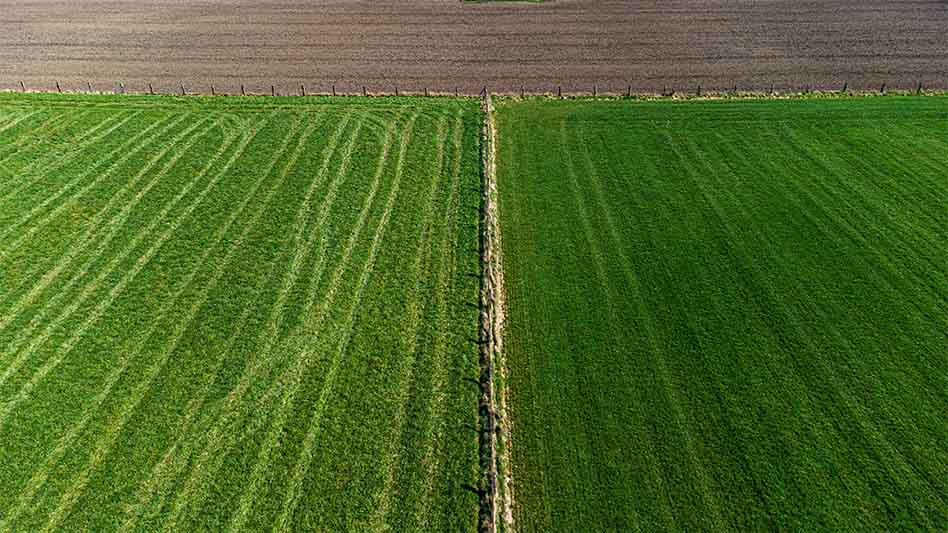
(76, 249)
(414, 312)
(97, 443)
(882, 203)
(67, 346)
(29, 139)
(855, 411)
(108, 440)
(184, 497)
(41, 474)
(60, 130)
(161, 480)
(13, 123)
(295, 374)
(294, 488)
(288, 283)
(849, 196)
(596, 254)
(57, 161)
(158, 484)
(129, 149)
(667, 517)
(868, 368)
(80, 244)
(888, 455)
(435, 408)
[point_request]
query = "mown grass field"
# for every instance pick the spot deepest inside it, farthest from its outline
(727, 314)
(246, 313)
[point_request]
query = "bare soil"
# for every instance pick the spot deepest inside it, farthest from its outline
(448, 44)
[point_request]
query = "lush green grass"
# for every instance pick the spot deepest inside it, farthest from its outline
(244, 312)
(727, 315)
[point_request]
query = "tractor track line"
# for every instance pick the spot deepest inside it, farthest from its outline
(82, 142)
(222, 434)
(89, 288)
(129, 148)
(96, 225)
(295, 374)
(415, 309)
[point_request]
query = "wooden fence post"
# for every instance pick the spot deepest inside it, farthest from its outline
(273, 91)
(302, 89)
(698, 92)
(628, 92)
(595, 91)
(559, 91)
(334, 89)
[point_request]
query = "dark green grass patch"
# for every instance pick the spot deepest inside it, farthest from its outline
(238, 312)
(727, 315)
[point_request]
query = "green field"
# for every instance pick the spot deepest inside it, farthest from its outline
(255, 313)
(727, 314)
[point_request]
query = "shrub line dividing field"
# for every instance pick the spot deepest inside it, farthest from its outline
(497, 492)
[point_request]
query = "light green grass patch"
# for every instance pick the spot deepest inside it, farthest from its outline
(246, 312)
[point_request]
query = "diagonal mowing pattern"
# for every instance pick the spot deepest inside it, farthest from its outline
(207, 319)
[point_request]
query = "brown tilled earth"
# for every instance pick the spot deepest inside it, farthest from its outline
(448, 44)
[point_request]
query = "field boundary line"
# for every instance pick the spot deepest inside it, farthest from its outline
(495, 430)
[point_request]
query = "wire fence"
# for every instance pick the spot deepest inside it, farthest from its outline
(559, 90)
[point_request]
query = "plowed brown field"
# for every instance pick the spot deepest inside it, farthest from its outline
(445, 45)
